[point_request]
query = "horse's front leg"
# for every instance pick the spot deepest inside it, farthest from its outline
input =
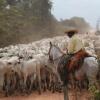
(65, 90)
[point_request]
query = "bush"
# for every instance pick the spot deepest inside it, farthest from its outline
(97, 96)
(95, 92)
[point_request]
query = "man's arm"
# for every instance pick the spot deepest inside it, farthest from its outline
(71, 47)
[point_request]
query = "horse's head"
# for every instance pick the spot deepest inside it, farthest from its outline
(54, 52)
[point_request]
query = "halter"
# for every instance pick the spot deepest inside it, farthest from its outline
(51, 58)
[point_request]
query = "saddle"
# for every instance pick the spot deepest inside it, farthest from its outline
(76, 61)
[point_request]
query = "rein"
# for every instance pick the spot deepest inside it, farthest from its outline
(56, 58)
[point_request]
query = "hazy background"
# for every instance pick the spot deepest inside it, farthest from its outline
(25, 21)
(88, 9)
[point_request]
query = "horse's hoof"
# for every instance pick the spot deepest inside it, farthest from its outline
(6, 95)
(53, 91)
(39, 93)
(28, 93)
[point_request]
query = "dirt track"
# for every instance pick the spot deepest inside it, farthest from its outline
(46, 96)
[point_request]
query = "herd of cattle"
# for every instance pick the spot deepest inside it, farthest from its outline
(26, 67)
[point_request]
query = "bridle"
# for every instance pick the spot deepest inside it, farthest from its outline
(51, 58)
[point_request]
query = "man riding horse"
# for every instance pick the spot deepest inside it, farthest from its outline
(76, 51)
(73, 62)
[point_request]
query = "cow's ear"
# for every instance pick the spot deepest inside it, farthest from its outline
(50, 43)
(30, 57)
(9, 63)
(19, 62)
(20, 57)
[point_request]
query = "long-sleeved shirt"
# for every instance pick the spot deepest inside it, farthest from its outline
(75, 44)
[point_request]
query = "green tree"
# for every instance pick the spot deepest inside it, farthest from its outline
(22, 15)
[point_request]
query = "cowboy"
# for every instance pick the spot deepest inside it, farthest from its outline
(76, 51)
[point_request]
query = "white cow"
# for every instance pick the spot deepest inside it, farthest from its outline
(31, 68)
(6, 66)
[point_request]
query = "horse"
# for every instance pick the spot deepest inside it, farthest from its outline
(89, 68)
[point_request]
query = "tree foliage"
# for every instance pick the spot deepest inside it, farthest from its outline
(16, 16)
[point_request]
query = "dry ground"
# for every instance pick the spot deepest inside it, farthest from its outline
(84, 95)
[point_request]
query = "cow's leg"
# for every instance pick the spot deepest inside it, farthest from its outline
(4, 83)
(28, 82)
(39, 84)
(8, 88)
(13, 83)
(6, 92)
(17, 79)
(54, 84)
(33, 77)
(7, 85)
(53, 87)
(45, 85)
(21, 84)
(25, 79)
(50, 82)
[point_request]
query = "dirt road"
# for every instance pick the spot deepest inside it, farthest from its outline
(46, 96)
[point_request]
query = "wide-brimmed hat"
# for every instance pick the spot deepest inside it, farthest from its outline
(71, 31)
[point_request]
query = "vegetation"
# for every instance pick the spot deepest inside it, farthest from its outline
(23, 21)
(95, 92)
(22, 17)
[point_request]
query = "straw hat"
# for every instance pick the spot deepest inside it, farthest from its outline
(71, 31)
